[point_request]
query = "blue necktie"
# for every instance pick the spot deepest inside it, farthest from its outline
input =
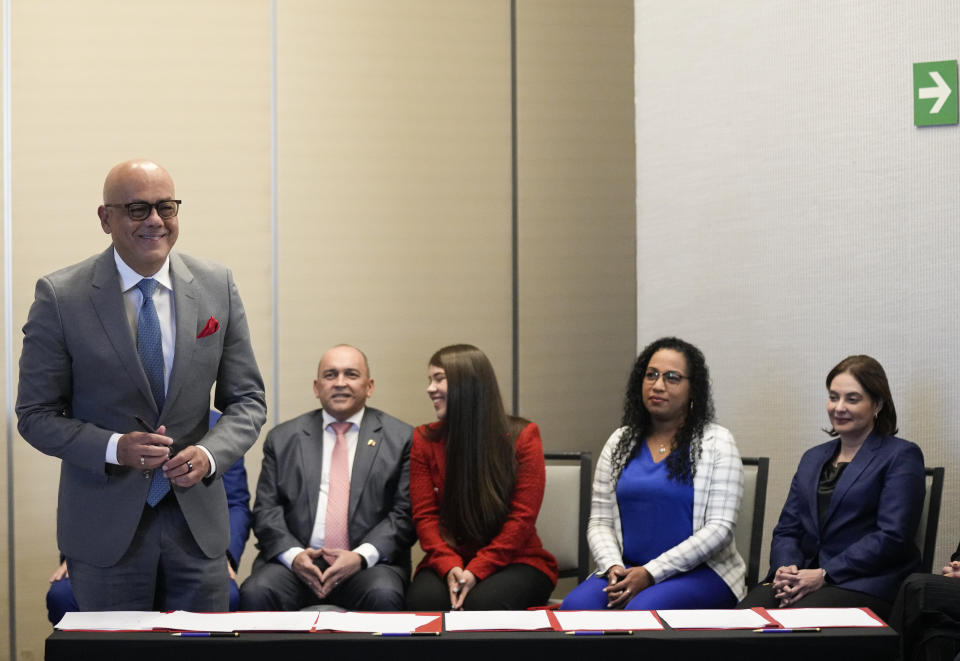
(150, 348)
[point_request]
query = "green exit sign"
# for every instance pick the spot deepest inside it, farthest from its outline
(935, 93)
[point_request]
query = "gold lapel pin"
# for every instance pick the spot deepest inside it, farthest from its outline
(371, 442)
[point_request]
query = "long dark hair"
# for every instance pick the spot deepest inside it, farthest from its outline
(481, 464)
(681, 463)
(871, 377)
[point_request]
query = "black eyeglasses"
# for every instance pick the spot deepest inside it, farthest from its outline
(141, 210)
(670, 377)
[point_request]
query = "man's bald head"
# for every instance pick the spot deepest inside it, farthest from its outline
(132, 172)
(144, 244)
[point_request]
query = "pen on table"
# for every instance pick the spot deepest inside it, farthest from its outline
(599, 633)
(798, 630)
(207, 634)
(404, 634)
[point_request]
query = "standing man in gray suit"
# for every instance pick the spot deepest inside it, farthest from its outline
(119, 355)
(332, 514)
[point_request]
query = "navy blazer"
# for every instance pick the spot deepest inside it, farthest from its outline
(867, 541)
(238, 502)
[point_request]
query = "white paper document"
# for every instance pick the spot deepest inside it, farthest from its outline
(253, 621)
(714, 619)
(607, 621)
(372, 622)
(496, 620)
(109, 621)
(795, 618)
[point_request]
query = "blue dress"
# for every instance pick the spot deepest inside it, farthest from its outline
(656, 514)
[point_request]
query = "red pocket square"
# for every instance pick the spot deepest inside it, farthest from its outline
(212, 327)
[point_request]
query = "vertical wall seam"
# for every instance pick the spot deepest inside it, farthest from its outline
(274, 215)
(8, 325)
(515, 212)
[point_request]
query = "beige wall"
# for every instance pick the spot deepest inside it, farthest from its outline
(394, 194)
(576, 233)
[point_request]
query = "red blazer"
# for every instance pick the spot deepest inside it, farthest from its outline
(517, 541)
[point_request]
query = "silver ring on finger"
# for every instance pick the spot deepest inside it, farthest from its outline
(189, 466)
(142, 460)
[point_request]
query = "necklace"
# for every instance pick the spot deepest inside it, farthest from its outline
(663, 448)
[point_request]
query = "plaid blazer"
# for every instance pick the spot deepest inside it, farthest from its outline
(717, 489)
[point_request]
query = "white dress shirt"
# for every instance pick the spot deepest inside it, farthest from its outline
(166, 314)
(367, 550)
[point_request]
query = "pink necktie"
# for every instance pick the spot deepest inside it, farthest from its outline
(338, 492)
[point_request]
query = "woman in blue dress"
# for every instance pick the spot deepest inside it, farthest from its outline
(665, 495)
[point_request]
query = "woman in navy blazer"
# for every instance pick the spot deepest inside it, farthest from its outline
(846, 533)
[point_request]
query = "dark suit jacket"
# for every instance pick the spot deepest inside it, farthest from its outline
(867, 541)
(81, 380)
(289, 486)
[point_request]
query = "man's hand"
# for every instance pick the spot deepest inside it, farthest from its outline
(232, 575)
(188, 467)
(625, 584)
(459, 582)
(143, 450)
(952, 570)
(304, 565)
(342, 565)
(60, 573)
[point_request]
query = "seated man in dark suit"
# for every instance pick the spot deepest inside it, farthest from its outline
(332, 514)
(927, 614)
(60, 597)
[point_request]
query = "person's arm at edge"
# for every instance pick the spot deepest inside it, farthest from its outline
(238, 503)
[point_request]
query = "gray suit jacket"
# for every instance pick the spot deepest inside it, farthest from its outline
(81, 380)
(289, 485)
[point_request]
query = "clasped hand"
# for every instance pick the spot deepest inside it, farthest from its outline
(952, 570)
(459, 582)
(341, 565)
(147, 451)
(791, 584)
(624, 584)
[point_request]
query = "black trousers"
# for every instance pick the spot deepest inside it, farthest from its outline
(515, 587)
(829, 596)
(927, 615)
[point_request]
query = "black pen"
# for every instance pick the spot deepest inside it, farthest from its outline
(143, 423)
(207, 634)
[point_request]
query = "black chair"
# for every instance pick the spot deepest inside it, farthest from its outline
(749, 530)
(930, 518)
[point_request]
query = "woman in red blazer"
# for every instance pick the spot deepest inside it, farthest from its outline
(476, 483)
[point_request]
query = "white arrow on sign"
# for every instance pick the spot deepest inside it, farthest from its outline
(941, 92)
